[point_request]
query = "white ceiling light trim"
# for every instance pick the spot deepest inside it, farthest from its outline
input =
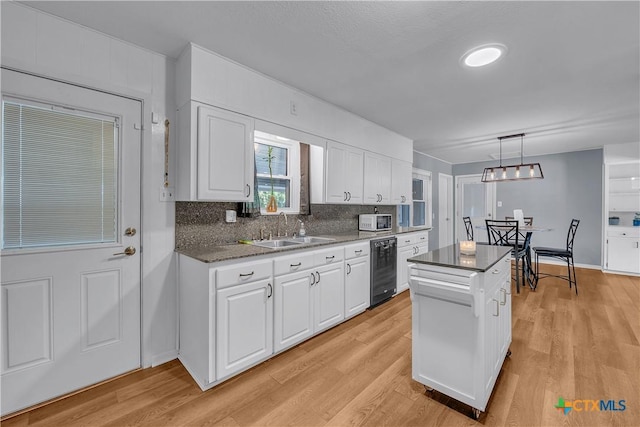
(483, 55)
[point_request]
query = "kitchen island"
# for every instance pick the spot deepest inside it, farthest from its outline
(461, 320)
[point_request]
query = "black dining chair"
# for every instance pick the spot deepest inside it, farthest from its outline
(528, 220)
(468, 226)
(564, 254)
(505, 233)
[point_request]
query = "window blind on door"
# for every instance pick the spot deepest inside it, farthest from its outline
(59, 176)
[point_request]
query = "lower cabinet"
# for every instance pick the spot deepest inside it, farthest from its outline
(409, 245)
(328, 296)
(357, 279)
(293, 309)
(244, 319)
(623, 250)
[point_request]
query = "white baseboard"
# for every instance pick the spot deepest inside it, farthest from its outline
(167, 356)
(554, 262)
(621, 273)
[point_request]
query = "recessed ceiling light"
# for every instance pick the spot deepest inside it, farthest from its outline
(483, 55)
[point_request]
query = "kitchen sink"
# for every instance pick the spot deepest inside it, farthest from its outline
(294, 241)
(274, 244)
(312, 239)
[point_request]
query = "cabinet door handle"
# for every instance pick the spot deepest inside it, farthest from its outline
(318, 278)
(348, 268)
(270, 290)
(349, 193)
(247, 274)
(295, 265)
(248, 190)
(345, 196)
(314, 279)
(497, 313)
(503, 291)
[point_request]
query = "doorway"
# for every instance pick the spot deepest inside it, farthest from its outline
(70, 238)
(474, 199)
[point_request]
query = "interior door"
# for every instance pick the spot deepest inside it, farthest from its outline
(70, 244)
(475, 199)
(445, 210)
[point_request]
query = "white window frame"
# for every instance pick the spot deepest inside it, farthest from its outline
(293, 172)
(428, 197)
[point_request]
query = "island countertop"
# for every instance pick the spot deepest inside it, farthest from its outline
(486, 257)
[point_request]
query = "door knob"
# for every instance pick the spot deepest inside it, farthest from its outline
(130, 231)
(128, 251)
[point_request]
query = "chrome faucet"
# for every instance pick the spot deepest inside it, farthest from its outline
(285, 224)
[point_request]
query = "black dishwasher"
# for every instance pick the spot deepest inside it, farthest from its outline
(383, 269)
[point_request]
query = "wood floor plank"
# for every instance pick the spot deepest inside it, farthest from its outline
(583, 346)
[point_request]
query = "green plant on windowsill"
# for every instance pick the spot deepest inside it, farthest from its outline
(272, 206)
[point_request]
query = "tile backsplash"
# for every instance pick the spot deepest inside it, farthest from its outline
(203, 223)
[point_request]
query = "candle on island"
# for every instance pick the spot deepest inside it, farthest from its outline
(467, 247)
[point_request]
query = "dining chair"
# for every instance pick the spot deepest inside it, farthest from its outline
(505, 233)
(468, 226)
(528, 220)
(564, 254)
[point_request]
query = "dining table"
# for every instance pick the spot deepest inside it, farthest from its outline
(526, 232)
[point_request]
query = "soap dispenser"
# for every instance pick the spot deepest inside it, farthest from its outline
(302, 231)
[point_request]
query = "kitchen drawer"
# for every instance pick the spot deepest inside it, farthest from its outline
(501, 267)
(406, 239)
(243, 273)
(624, 232)
(329, 256)
(292, 263)
(357, 250)
(422, 237)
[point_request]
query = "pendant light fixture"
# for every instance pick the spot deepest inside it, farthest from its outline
(512, 172)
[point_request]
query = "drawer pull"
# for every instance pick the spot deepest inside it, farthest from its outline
(295, 265)
(246, 274)
(496, 271)
(359, 251)
(330, 257)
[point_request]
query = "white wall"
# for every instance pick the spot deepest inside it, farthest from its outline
(621, 153)
(42, 44)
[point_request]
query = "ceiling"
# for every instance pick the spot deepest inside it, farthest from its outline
(570, 79)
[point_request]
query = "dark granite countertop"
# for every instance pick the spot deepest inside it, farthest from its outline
(219, 253)
(486, 256)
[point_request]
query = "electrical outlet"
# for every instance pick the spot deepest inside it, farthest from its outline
(499, 204)
(294, 108)
(167, 194)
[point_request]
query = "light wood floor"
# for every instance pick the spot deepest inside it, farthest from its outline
(359, 373)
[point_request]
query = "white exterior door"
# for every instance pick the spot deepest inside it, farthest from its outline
(70, 297)
(474, 199)
(445, 210)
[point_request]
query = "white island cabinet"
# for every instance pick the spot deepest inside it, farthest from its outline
(461, 321)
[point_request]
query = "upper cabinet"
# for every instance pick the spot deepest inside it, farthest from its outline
(344, 174)
(377, 179)
(624, 187)
(215, 154)
(401, 182)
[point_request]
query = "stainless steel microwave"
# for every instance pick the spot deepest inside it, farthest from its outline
(374, 222)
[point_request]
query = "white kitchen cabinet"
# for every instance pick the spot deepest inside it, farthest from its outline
(401, 182)
(409, 245)
(377, 179)
(344, 174)
(244, 326)
(461, 324)
(293, 309)
(357, 280)
(215, 154)
(623, 249)
(328, 292)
